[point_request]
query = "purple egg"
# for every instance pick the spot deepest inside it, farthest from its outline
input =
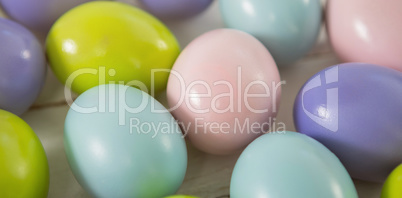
(176, 9)
(38, 15)
(22, 67)
(355, 110)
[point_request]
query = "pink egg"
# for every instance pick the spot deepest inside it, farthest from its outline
(366, 31)
(224, 90)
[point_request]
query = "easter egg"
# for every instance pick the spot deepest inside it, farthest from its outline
(23, 162)
(366, 31)
(38, 14)
(355, 110)
(181, 196)
(22, 67)
(393, 185)
(115, 43)
(288, 164)
(176, 9)
(120, 142)
(224, 90)
(288, 28)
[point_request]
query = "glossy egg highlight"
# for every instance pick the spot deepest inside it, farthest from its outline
(289, 164)
(22, 67)
(23, 163)
(116, 42)
(288, 28)
(224, 90)
(366, 31)
(121, 142)
(354, 109)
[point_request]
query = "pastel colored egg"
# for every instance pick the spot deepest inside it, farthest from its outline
(120, 142)
(176, 9)
(366, 31)
(23, 162)
(181, 196)
(224, 90)
(288, 28)
(288, 164)
(393, 185)
(38, 14)
(22, 67)
(115, 43)
(355, 110)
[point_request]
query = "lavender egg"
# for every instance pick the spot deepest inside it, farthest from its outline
(355, 110)
(176, 9)
(22, 67)
(38, 15)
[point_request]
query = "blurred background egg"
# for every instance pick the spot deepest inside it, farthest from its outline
(224, 82)
(393, 185)
(288, 28)
(175, 9)
(355, 110)
(115, 42)
(38, 15)
(118, 145)
(22, 67)
(366, 31)
(287, 165)
(24, 170)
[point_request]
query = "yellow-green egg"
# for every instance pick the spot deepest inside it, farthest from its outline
(105, 42)
(393, 185)
(24, 170)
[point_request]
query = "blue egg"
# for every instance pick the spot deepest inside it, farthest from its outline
(287, 165)
(288, 28)
(121, 142)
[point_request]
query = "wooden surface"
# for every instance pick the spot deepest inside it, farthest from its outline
(207, 175)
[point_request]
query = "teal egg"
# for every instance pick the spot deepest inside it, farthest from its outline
(121, 142)
(288, 28)
(288, 165)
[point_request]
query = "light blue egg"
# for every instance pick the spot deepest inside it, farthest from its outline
(117, 145)
(289, 165)
(288, 28)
